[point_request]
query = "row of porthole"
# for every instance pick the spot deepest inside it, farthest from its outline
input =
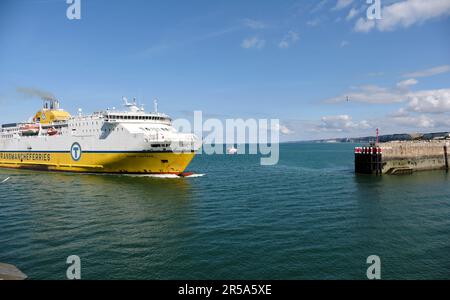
(103, 130)
(138, 118)
(83, 124)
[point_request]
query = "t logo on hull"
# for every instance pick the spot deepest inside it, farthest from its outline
(75, 151)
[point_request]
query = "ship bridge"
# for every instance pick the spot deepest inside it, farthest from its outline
(136, 114)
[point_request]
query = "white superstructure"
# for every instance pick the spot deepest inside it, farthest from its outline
(130, 130)
(106, 132)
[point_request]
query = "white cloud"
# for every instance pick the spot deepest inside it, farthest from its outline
(340, 4)
(284, 129)
(313, 23)
(290, 38)
(425, 101)
(404, 14)
(344, 44)
(416, 122)
(283, 44)
(254, 24)
(429, 101)
(351, 14)
(422, 109)
(253, 42)
(363, 25)
(402, 112)
(341, 123)
(370, 94)
(407, 83)
(319, 6)
(429, 72)
(421, 121)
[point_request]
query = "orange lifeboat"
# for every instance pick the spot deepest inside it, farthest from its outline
(29, 129)
(52, 131)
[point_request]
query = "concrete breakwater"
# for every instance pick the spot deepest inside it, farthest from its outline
(402, 157)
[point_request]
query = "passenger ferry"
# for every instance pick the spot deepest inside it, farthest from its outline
(130, 141)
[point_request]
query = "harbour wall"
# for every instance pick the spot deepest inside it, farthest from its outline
(400, 157)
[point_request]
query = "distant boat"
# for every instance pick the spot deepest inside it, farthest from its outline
(232, 150)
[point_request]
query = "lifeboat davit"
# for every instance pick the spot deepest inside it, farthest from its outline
(29, 129)
(52, 131)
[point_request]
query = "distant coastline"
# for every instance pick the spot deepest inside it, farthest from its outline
(383, 138)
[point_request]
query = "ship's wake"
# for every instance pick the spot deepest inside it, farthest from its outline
(165, 176)
(195, 175)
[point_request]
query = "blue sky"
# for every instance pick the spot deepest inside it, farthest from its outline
(294, 60)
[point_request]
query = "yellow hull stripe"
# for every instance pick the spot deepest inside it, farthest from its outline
(100, 162)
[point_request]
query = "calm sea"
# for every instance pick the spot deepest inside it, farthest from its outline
(309, 217)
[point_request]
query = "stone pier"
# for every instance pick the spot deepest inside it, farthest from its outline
(402, 157)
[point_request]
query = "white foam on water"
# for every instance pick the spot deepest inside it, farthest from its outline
(165, 176)
(168, 176)
(195, 175)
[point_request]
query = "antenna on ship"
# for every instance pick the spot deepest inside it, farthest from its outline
(141, 104)
(155, 105)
